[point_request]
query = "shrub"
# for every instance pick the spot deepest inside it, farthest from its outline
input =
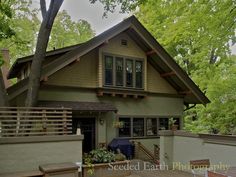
(99, 156)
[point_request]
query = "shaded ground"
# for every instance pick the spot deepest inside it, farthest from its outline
(143, 170)
(170, 173)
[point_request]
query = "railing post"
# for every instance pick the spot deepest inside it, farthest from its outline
(137, 149)
(64, 122)
(44, 121)
(156, 152)
(17, 122)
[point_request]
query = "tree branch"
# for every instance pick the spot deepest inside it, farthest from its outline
(43, 8)
(52, 12)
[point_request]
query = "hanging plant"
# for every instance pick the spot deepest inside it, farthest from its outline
(118, 124)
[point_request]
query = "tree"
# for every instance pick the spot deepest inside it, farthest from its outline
(198, 34)
(5, 32)
(66, 32)
(43, 38)
(5, 17)
(219, 116)
(44, 34)
(41, 47)
(125, 5)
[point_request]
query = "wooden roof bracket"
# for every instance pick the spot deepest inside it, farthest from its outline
(150, 52)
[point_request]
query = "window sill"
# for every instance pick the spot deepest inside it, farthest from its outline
(122, 92)
(144, 137)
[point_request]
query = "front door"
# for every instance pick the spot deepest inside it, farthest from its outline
(87, 127)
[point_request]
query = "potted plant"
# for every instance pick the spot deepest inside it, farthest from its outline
(118, 124)
(172, 124)
(99, 163)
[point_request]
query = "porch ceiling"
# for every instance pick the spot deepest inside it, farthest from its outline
(80, 106)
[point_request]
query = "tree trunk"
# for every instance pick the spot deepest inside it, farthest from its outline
(41, 47)
(3, 94)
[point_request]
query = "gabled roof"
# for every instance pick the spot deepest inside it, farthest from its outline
(157, 56)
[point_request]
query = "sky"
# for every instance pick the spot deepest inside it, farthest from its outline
(93, 13)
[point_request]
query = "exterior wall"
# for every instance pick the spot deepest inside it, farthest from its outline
(155, 83)
(82, 73)
(181, 147)
(88, 72)
(153, 106)
(114, 47)
(27, 153)
(150, 106)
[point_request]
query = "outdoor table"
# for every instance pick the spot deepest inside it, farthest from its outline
(219, 173)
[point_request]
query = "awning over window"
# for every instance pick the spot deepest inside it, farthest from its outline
(80, 106)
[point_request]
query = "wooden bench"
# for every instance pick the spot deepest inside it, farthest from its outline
(197, 166)
(214, 174)
(204, 163)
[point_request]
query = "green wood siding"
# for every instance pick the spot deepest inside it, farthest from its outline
(155, 83)
(82, 73)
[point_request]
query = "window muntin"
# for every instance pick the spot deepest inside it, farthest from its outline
(129, 73)
(139, 74)
(151, 126)
(119, 71)
(125, 130)
(163, 123)
(134, 127)
(138, 127)
(108, 70)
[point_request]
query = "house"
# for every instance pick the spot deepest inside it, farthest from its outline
(120, 84)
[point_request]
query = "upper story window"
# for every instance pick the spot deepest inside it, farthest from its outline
(108, 70)
(123, 72)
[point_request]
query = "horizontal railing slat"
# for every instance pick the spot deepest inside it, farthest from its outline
(36, 108)
(41, 124)
(37, 133)
(32, 116)
(56, 120)
(34, 129)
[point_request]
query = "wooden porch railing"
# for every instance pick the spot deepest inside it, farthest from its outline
(35, 121)
(141, 150)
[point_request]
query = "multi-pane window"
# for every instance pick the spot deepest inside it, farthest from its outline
(151, 124)
(119, 71)
(138, 127)
(139, 74)
(108, 70)
(163, 123)
(129, 73)
(141, 127)
(123, 72)
(125, 130)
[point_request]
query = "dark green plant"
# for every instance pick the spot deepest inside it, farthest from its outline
(101, 156)
(97, 156)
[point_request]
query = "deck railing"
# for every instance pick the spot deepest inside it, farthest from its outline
(141, 152)
(35, 121)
